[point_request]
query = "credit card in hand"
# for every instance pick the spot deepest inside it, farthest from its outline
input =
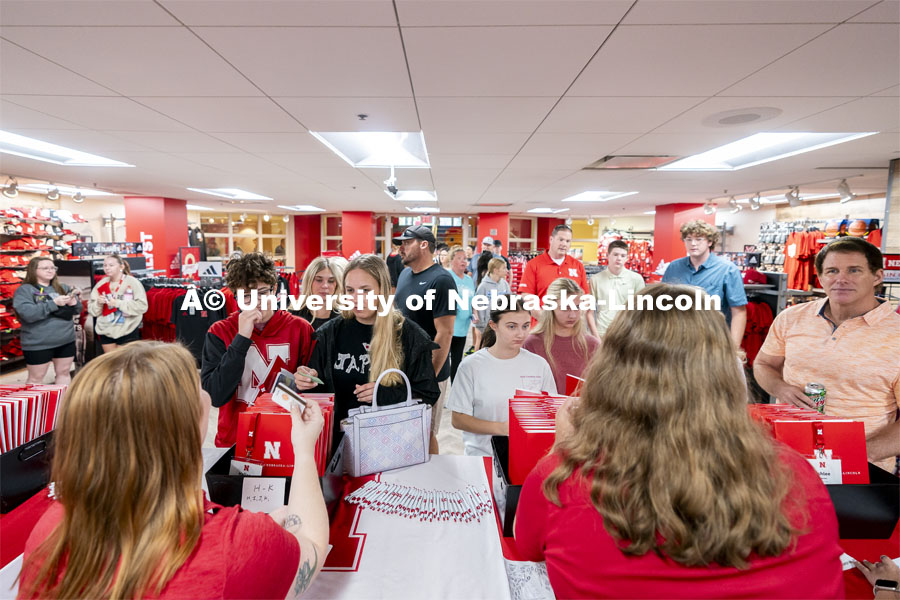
(284, 396)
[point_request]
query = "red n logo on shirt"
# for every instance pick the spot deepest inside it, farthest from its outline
(258, 368)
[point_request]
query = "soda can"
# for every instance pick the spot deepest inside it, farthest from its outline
(816, 393)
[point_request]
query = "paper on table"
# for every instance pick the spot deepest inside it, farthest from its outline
(262, 494)
(847, 561)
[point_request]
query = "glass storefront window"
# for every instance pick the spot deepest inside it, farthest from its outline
(212, 223)
(275, 246)
(520, 228)
(216, 247)
(275, 226)
(332, 226)
(245, 244)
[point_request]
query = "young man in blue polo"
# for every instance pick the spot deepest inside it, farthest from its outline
(719, 277)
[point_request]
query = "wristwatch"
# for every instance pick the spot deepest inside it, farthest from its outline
(885, 585)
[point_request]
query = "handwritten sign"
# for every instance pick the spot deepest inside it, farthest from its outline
(262, 494)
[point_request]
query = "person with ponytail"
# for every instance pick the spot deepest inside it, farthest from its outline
(487, 379)
(129, 519)
(560, 337)
(354, 349)
(661, 485)
(118, 303)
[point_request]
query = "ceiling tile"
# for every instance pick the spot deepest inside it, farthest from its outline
(175, 141)
(887, 11)
(307, 162)
(225, 114)
(699, 12)
(238, 164)
(553, 161)
(84, 13)
(278, 13)
(893, 91)
(26, 73)
(13, 116)
(442, 142)
(342, 114)
(832, 65)
(469, 161)
(275, 142)
(686, 60)
(614, 115)
(453, 13)
(866, 114)
(483, 115)
(677, 144)
(792, 109)
(590, 146)
(317, 61)
(136, 61)
(100, 113)
(498, 61)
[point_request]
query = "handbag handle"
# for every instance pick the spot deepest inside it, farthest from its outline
(409, 401)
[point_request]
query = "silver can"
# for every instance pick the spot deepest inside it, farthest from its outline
(816, 393)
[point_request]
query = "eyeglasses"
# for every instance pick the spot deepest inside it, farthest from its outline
(48, 268)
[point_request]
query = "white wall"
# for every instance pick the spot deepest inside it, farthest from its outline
(746, 226)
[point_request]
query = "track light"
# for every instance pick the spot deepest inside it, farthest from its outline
(843, 189)
(78, 198)
(590, 221)
(709, 208)
(266, 217)
(755, 202)
(286, 218)
(11, 190)
(569, 221)
(735, 207)
(793, 197)
(53, 193)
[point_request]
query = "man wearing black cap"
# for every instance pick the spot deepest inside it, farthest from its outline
(417, 246)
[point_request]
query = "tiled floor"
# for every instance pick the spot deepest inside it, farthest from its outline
(449, 439)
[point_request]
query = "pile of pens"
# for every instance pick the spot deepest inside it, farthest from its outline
(467, 505)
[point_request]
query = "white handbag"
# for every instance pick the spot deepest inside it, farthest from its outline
(380, 439)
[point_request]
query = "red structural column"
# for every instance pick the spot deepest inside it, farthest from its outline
(161, 224)
(358, 232)
(495, 225)
(307, 239)
(667, 244)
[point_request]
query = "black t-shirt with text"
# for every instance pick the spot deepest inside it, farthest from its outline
(409, 284)
(351, 368)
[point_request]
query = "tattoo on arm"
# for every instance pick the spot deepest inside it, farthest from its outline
(292, 521)
(305, 573)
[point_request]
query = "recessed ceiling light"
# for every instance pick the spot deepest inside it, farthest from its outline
(19, 145)
(377, 149)
(597, 196)
(44, 188)
(195, 207)
(547, 211)
(230, 193)
(650, 212)
(423, 209)
(413, 196)
(302, 208)
(758, 149)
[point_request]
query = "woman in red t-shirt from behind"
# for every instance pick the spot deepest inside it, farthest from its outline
(660, 484)
(131, 521)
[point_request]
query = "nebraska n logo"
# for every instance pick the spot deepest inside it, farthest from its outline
(273, 450)
(257, 367)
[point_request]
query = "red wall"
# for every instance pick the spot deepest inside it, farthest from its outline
(307, 240)
(667, 244)
(545, 227)
(161, 223)
(357, 232)
(488, 222)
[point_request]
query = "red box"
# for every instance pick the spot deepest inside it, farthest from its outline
(532, 431)
(573, 385)
(264, 435)
(797, 427)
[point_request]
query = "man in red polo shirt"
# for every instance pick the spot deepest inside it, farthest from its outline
(542, 270)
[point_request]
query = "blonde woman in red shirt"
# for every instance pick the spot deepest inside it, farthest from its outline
(660, 485)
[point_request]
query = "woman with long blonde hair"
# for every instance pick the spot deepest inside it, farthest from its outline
(322, 278)
(353, 350)
(560, 337)
(661, 485)
(130, 519)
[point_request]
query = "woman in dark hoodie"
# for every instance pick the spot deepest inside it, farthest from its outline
(353, 350)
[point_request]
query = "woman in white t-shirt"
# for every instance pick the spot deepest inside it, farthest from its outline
(487, 379)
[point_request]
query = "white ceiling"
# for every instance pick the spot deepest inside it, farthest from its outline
(515, 97)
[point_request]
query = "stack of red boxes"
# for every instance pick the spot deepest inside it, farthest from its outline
(264, 435)
(532, 420)
(806, 431)
(27, 412)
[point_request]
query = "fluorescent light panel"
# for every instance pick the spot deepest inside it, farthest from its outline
(547, 211)
(413, 196)
(377, 149)
(43, 188)
(760, 148)
(195, 207)
(423, 209)
(597, 196)
(230, 193)
(19, 145)
(302, 208)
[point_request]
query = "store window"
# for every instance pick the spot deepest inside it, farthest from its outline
(245, 232)
(331, 240)
(522, 234)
